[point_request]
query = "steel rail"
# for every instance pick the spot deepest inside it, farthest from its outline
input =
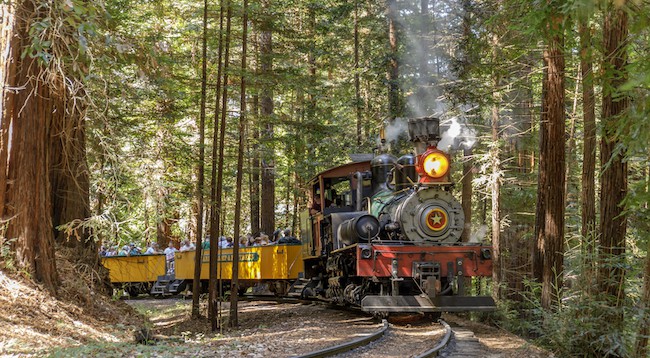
(348, 346)
(433, 352)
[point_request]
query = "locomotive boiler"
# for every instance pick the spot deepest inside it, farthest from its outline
(387, 234)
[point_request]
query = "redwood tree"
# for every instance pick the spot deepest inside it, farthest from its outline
(549, 259)
(29, 99)
(614, 169)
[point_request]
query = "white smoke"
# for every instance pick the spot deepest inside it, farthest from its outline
(478, 235)
(396, 128)
(458, 134)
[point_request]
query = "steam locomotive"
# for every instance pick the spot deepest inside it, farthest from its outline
(391, 240)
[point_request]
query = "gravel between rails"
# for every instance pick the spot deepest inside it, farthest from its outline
(402, 340)
(267, 329)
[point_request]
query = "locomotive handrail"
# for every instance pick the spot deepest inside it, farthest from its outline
(347, 346)
(433, 352)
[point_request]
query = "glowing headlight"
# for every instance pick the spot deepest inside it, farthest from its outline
(435, 164)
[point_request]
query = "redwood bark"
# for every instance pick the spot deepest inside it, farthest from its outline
(551, 243)
(27, 109)
(614, 169)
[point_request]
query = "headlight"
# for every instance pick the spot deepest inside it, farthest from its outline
(434, 163)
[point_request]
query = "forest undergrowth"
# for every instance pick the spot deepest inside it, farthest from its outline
(35, 321)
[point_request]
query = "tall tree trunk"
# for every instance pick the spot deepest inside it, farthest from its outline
(214, 193)
(27, 109)
(552, 173)
(357, 81)
(220, 217)
(198, 257)
(234, 287)
(266, 102)
(614, 169)
(588, 192)
(495, 187)
(394, 104)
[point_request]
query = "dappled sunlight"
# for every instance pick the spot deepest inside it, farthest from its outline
(34, 320)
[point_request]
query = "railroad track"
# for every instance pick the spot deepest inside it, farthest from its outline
(363, 345)
(455, 343)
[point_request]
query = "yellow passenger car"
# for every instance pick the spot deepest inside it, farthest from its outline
(273, 262)
(276, 264)
(136, 274)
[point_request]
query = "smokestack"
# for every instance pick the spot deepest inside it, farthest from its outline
(424, 132)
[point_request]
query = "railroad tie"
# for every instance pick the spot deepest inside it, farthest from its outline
(466, 345)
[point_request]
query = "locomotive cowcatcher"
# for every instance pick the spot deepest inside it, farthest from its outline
(385, 234)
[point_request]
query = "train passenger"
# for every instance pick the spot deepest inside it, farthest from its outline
(103, 251)
(187, 246)
(276, 236)
(222, 242)
(124, 251)
(243, 241)
(112, 251)
(228, 242)
(205, 244)
(315, 206)
(169, 257)
(287, 238)
(134, 250)
(153, 249)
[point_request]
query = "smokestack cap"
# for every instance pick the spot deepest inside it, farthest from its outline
(424, 132)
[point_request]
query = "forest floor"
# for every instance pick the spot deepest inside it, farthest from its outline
(34, 321)
(80, 322)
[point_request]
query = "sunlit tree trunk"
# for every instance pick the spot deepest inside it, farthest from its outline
(28, 104)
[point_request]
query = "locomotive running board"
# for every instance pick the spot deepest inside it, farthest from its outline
(424, 304)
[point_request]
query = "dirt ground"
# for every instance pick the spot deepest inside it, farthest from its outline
(82, 322)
